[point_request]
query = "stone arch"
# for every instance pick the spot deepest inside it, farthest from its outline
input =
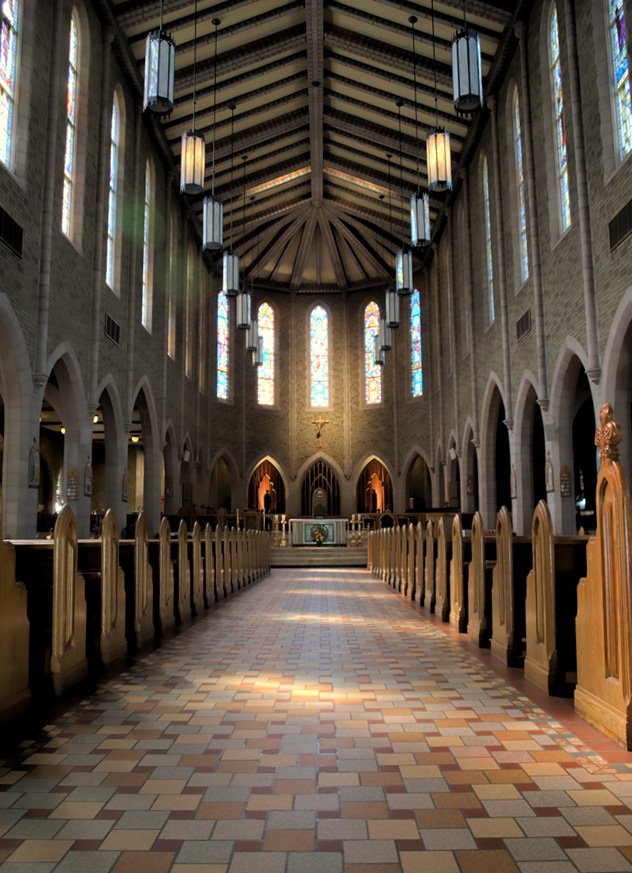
(109, 450)
(495, 453)
(170, 476)
(143, 410)
(572, 390)
(309, 477)
(529, 455)
(616, 382)
(418, 479)
(16, 394)
(439, 467)
(225, 480)
(267, 474)
(469, 473)
(453, 470)
(374, 486)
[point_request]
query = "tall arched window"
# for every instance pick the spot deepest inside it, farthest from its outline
(71, 127)
(9, 26)
(416, 372)
(557, 94)
(489, 257)
(520, 190)
(265, 373)
(372, 371)
(319, 356)
(223, 342)
(112, 229)
(147, 278)
(171, 310)
(620, 72)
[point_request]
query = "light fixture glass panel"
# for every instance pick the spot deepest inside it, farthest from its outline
(385, 335)
(212, 224)
(392, 309)
(243, 307)
(438, 158)
(420, 219)
(160, 59)
(230, 280)
(378, 352)
(467, 79)
(404, 271)
(252, 336)
(192, 163)
(258, 358)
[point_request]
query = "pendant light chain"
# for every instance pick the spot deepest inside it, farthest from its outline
(434, 64)
(232, 108)
(216, 23)
(194, 61)
(401, 161)
(413, 21)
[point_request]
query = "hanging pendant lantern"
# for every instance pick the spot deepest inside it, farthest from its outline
(404, 271)
(392, 308)
(243, 306)
(467, 78)
(160, 60)
(192, 163)
(230, 280)
(420, 219)
(439, 161)
(252, 336)
(258, 356)
(378, 351)
(385, 335)
(212, 224)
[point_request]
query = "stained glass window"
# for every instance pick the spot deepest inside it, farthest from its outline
(416, 371)
(265, 373)
(147, 296)
(115, 145)
(558, 119)
(489, 259)
(223, 340)
(319, 356)
(520, 186)
(171, 312)
(71, 126)
(620, 75)
(372, 371)
(9, 23)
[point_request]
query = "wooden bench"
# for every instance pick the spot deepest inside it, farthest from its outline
(509, 587)
(14, 636)
(479, 583)
(461, 555)
(444, 558)
(558, 563)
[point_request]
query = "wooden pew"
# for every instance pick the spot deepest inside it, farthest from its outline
(143, 589)
(183, 569)
(14, 636)
(113, 644)
(509, 585)
(428, 593)
(197, 581)
(166, 598)
(410, 560)
(551, 605)
(603, 696)
(419, 563)
(461, 554)
(442, 584)
(479, 583)
(220, 572)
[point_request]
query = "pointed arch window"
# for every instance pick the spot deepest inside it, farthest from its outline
(489, 256)
(620, 73)
(416, 371)
(265, 373)
(147, 277)
(112, 227)
(71, 127)
(223, 341)
(372, 371)
(9, 29)
(520, 190)
(319, 356)
(561, 157)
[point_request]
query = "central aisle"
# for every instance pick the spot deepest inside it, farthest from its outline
(318, 721)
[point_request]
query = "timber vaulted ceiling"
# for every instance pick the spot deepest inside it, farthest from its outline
(315, 88)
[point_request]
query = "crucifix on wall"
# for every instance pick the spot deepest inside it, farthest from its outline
(320, 423)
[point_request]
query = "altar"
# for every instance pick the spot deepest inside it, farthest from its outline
(318, 531)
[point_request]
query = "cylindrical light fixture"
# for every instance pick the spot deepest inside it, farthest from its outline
(378, 352)
(230, 278)
(438, 159)
(258, 356)
(243, 308)
(252, 336)
(467, 78)
(160, 61)
(420, 219)
(385, 335)
(192, 163)
(212, 224)
(404, 271)
(391, 308)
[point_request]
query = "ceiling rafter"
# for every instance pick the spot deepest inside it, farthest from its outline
(303, 249)
(328, 239)
(315, 55)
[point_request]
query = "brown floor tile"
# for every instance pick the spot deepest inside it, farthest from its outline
(291, 840)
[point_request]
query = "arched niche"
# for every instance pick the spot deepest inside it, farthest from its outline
(266, 489)
(320, 490)
(374, 491)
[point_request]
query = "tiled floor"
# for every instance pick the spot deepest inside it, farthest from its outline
(317, 723)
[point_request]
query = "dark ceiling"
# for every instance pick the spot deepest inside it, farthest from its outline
(315, 86)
